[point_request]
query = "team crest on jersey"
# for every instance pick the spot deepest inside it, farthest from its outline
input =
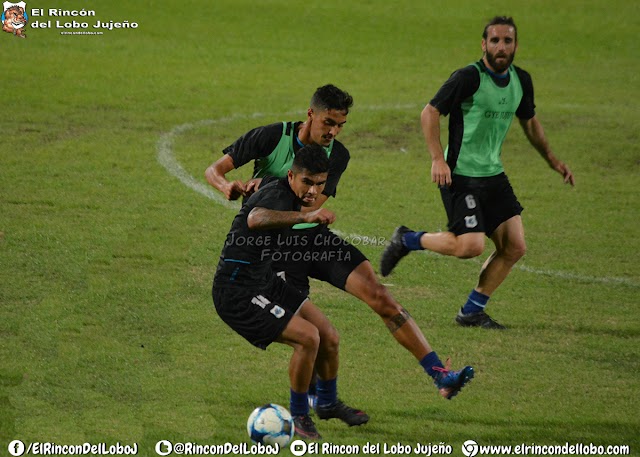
(470, 221)
(14, 18)
(277, 311)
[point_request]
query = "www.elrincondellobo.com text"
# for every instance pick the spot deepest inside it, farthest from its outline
(472, 448)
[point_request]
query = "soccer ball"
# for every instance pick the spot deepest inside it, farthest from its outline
(270, 424)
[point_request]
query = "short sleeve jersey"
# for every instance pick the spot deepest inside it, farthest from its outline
(260, 142)
(246, 255)
(460, 89)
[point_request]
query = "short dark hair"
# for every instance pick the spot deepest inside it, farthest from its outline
(330, 97)
(500, 20)
(311, 157)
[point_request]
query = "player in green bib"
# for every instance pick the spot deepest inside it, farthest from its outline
(481, 100)
(272, 149)
(317, 251)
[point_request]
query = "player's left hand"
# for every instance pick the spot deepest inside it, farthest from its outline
(320, 216)
(563, 169)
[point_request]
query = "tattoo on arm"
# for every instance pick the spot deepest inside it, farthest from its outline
(263, 218)
(398, 320)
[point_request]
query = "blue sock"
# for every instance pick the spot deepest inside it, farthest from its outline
(298, 403)
(327, 392)
(475, 303)
(429, 361)
(411, 241)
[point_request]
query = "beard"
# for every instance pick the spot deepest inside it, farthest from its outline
(503, 65)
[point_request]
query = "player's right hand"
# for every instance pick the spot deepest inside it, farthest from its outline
(235, 190)
(440, 173)
(320, 216)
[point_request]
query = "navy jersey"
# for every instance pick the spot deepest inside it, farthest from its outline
(246, 257)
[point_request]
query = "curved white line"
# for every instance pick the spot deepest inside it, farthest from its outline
(167, 160)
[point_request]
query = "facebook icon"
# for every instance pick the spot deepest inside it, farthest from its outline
(16, 448)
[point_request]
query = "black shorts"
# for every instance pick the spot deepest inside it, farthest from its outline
(258, 315)
(317, 253)
(479, 204)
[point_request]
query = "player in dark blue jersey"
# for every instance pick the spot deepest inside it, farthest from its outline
(263, 308)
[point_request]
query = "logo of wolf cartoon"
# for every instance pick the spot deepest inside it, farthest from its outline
(14, 18)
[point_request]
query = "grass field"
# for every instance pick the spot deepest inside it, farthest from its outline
(109, 235)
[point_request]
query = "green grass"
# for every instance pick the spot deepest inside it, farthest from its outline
(107, 330)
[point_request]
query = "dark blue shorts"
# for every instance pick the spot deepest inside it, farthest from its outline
(259, 315)
(479, 204)
(316, 253)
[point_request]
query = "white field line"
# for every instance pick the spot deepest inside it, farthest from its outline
(167, 159)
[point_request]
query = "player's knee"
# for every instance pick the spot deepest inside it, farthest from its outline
(330, 340)
(470, 245)
(470, 250)
(382, 302)
(310, 339)
(515, 251)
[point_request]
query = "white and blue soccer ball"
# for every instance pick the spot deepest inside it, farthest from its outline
(270, 424)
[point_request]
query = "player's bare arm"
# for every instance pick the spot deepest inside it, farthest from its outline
(535, 134)
(254, 184)
(430, 121)
(266, 219)
(216, 176)
(320, 199)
